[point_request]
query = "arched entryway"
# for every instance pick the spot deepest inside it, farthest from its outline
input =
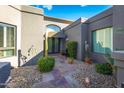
(56, 39)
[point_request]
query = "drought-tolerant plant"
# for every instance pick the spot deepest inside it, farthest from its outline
(72, 49)
(46, 64)
(104, 68)
(87, 53)
(107, 68)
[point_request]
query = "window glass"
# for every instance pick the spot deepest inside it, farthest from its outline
(1, 36)
(102, 40)
(10, 36)
(9, 52)
(50, 45)
(7, 40)
(56, 45)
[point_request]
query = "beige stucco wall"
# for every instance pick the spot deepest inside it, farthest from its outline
(31, 26)
(29, 23)
(32, 34)
(11, 16)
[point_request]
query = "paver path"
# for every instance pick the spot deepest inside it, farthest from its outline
(60, 77)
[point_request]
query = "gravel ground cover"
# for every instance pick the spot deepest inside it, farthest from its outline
(24, 77)
(88, 77)
(65, 75)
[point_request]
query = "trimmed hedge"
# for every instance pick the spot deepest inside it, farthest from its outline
(46, 64)
(72, 49)
(105, 69)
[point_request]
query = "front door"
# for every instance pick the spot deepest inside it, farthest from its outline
(53, 45)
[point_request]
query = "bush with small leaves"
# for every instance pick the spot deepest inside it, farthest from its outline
(105, 69)
(46, 64)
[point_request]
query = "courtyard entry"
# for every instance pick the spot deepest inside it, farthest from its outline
(55, 45)
(55, 38)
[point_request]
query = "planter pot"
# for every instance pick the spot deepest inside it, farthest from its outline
(88, 61)
(70, 61)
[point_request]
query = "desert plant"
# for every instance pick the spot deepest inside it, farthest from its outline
(104, 68)
(46, 64)
(87, 54)
(72, 49)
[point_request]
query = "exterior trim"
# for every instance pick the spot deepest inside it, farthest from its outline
(100, 18)
(77, 22)
(64, 21)
(25, 11)
(57, 19)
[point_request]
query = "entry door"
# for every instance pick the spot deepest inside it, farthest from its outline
(50, 45)
(53, 45)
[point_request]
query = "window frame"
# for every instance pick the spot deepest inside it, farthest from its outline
(5, 25)
(104, 36)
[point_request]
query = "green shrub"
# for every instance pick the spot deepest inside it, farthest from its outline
(46, 64)
(72, 49)
(105, 69)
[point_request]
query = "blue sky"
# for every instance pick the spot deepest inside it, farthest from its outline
(72, 12)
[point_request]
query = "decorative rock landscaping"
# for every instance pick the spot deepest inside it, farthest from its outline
(77, 75)
(95, 79)
(24, 77)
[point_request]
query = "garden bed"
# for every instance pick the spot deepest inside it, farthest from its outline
(96, 80)
(24, 77)
(29, 76)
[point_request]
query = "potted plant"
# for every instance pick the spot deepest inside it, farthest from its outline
(88, 60)
(70, 60)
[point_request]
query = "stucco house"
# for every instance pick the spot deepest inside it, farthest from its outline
(22, 30)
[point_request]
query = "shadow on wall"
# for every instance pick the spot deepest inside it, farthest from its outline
(33, 61)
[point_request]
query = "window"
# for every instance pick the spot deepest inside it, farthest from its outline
(7, 40)
(102, 40)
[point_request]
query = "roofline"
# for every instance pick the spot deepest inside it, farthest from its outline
(54, 18)
(65, 20)
(78, 21)
(25, 11)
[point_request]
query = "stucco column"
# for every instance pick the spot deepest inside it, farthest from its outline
(119, 62)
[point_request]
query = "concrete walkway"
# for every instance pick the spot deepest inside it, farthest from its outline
(60, 77)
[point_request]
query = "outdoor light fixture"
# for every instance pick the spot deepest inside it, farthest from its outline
(67, 39)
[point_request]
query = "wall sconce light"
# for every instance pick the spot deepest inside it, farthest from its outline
(67, 39)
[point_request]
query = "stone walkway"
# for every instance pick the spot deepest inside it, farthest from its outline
(60, 77)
